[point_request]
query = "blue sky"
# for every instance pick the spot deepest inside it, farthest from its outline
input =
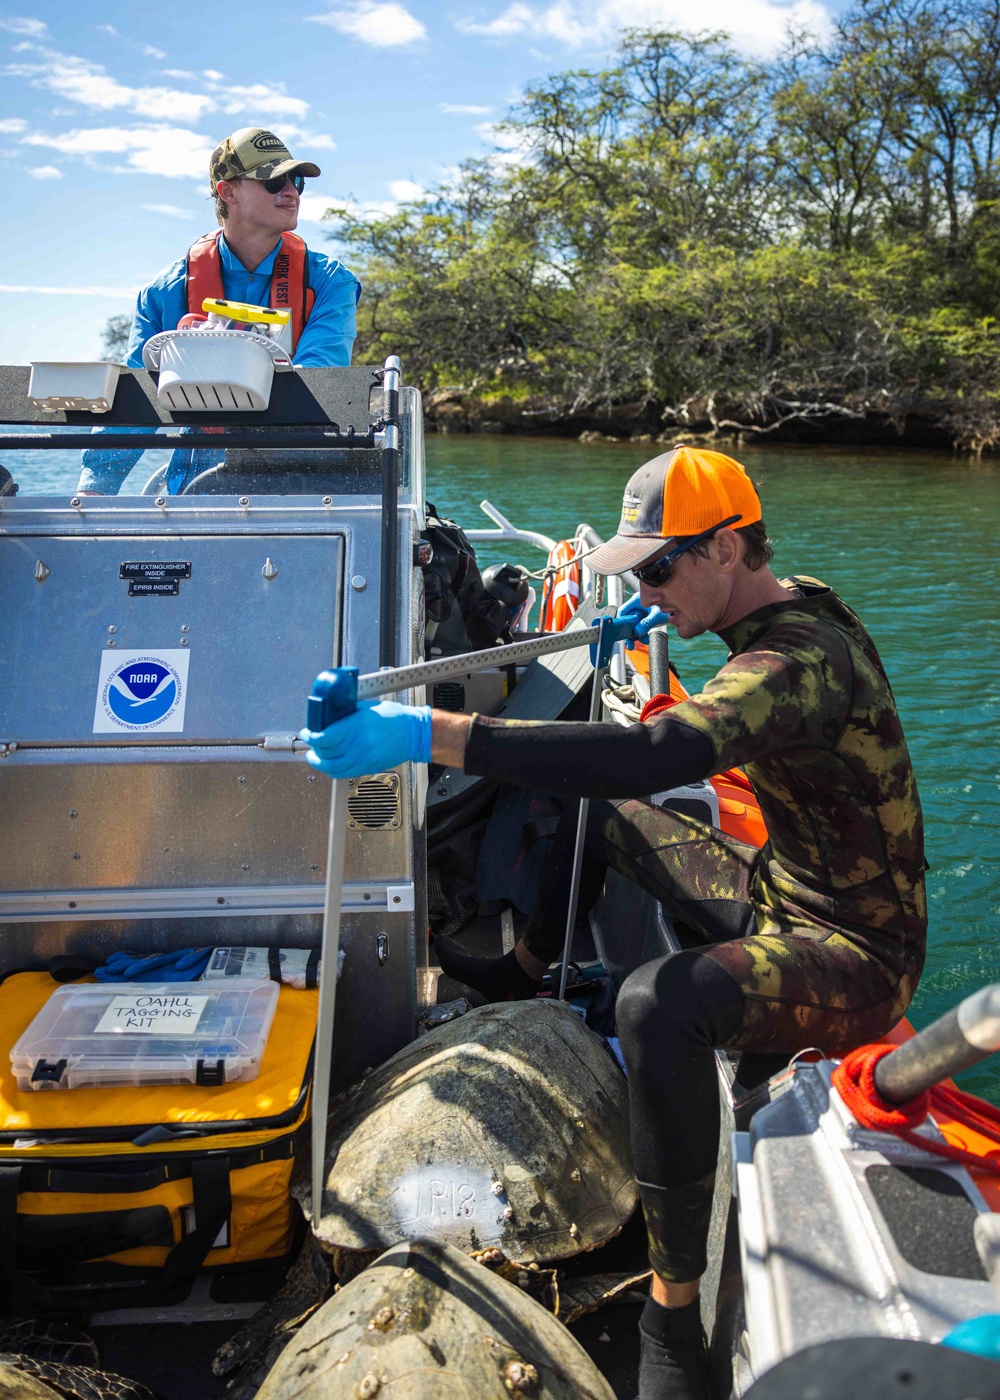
(109, 112)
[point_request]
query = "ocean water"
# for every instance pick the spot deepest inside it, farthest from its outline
(910, 541)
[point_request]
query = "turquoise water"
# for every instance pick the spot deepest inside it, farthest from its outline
(909, 541)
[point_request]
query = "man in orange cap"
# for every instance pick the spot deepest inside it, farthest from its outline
(815, 940)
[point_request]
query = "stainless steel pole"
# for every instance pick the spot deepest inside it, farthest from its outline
(329, 958)
(581, 831)
(967, 1034)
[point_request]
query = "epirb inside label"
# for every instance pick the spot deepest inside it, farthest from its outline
(142, 691)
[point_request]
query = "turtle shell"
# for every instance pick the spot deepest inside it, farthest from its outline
(425, 1322)
(23, 1377)
(15, 1385)
(506, 1128)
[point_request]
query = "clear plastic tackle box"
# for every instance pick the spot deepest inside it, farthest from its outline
(137, 1033)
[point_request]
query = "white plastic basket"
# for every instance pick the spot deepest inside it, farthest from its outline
(218, 371)
(70, 385)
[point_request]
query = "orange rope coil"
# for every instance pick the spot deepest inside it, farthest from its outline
(854, 1080)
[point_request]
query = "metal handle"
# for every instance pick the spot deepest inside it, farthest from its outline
(970, 1032)
(659, 662)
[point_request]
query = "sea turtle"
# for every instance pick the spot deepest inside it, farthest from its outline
(46, 1359)
(50, 1360)
(251, 1352)
(506, 1128)
(24, 1378)
(425, 1322)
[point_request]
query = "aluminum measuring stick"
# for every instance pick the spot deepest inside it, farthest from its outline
(334, 695)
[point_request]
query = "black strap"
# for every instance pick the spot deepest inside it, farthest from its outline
(213, 1205)
(26, 1293)
(70, 967)
(274, 964)
(312, 969)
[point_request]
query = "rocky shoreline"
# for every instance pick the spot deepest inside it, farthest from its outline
(453, 410)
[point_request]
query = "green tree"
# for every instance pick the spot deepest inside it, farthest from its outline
(114, 337)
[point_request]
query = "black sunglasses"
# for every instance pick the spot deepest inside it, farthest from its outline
(657, 573)
(277, 184)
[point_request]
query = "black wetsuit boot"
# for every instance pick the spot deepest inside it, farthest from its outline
(673, 1358)
(497, 979)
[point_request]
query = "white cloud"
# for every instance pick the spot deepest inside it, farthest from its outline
(170, 211)
(149, 50)
(46, 172)
(13, 125)
(757, 25)
(312, 207)
(405, 190)
(463, 109)
(90, 85)
(116, 292)
(213, 75)
(298, 137)
(184, 74)
(514, 20)
(153, 150)
(381, 23)
(33, 28)
(263, 100)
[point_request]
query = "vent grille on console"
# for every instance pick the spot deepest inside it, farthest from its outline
(374, 802)
(449, 695)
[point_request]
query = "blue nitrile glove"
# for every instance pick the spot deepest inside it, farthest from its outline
(378, 735)
(632, 623)
(184, 965)
(644, 619)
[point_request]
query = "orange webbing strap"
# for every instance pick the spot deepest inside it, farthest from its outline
(204, 272)
(854, 1080)
(290, 289)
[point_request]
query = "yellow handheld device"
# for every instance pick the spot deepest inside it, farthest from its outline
(247, 315)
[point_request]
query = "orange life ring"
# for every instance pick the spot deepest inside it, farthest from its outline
(561, 592)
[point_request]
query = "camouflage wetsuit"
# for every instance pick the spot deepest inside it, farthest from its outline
(817, 939)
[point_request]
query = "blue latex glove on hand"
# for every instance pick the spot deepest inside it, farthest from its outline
(645, 619)
(633, 623)
(185, 965)
(378, 735)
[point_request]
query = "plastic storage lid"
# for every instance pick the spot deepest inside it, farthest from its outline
(139, 1033)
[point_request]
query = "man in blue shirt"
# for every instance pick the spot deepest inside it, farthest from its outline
(256, 184)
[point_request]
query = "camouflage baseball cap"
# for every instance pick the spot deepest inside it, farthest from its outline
(679, 493)
(253, 153)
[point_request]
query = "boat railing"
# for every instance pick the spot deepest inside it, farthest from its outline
(507, 531)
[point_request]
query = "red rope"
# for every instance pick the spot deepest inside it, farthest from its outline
(854, 1080)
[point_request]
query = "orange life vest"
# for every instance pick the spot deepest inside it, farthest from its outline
(290, 289)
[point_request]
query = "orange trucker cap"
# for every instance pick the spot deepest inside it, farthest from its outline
(682, 492)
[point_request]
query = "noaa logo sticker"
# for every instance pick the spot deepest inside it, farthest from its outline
(139, 691)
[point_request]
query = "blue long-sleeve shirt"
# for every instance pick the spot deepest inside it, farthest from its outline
(327, 339)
